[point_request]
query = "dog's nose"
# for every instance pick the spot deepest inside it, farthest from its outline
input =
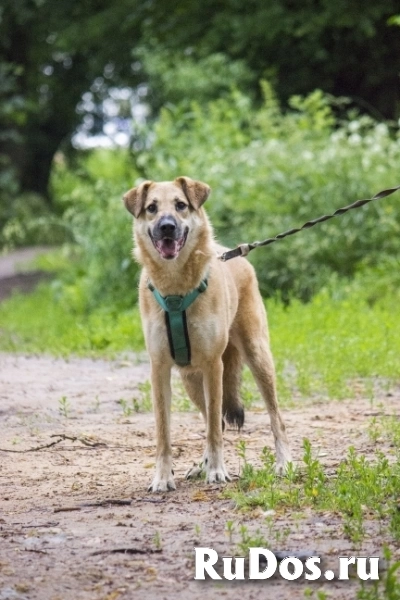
(167, 226)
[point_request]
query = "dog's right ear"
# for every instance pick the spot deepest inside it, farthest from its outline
(136, 197)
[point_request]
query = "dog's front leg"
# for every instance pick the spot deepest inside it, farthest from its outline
(161, 390)
(213, 457)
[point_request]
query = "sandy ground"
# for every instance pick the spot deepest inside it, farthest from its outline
(65, 537)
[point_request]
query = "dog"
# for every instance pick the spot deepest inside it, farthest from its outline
(225, 325)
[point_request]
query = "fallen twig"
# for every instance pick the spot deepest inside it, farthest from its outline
(38, 525)
(62, 437)
(108, 502)
(66, 508)
(127, 551)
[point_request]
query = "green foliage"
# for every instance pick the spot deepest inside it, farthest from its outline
(359, 490)
(99, 224)
(322, 346)
(57, 329)
(294, 45)
(26, 220)
(53, 52)
(176, 78)
(272, 171)
(269, 171)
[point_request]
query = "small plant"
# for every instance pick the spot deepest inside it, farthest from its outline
(197, 530)
(157, 540)
(230, 528)
(64, 407)
(241, 450)
(314, 477)
(96, 405)
(180, 400)
(250, 540)
(126, 409)
(374, 430)
(146, 404)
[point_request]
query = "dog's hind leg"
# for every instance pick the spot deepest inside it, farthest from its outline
(232, 408)
(193, 384)
(259, 359)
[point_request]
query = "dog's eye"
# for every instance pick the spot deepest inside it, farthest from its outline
(181, 206)
(152, 208)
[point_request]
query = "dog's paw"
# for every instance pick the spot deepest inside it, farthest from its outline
(218, 475)
(283, 459)
(162, 484)
(194, 472)
(281, 467)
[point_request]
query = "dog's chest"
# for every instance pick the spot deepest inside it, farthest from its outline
(205, 332)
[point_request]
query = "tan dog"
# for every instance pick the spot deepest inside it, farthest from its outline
(226, 324)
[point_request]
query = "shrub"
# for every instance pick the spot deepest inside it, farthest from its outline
(269, 170)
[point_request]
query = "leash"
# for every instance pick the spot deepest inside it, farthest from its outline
(244, 249)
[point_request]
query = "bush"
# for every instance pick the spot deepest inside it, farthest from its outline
(103, 273)
(269, 171)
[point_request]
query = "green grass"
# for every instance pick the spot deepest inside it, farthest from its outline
(329, 347)
(358, 488)
(325, 346)
(38, 323)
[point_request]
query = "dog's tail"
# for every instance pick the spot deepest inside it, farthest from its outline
(233, 412)
(232, 408)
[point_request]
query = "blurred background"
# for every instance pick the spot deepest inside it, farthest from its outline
(287, 109)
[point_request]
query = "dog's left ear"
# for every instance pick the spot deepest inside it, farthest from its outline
(136, 197)
(196, 192)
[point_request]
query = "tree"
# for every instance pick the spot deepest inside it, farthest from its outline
(344, 48)
(51, 52)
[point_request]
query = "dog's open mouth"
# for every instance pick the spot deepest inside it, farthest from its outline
(169, 248)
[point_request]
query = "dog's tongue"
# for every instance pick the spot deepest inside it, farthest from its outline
(168, 248)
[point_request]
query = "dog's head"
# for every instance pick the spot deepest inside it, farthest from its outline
(167, 213)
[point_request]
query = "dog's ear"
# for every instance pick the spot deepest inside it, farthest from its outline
(195, 191)
(136, 197)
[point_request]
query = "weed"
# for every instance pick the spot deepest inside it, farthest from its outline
(248, 540)
(314, 477)
(241, 450)
(126, 409)
(374, 430)
(230, 528)
(96, 405)
(145, 404)
(157, 540)
(64, 407)
(360, 490)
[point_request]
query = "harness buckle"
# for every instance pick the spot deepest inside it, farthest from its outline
(174, 303)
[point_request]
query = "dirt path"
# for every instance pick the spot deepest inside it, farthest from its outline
(49, 552)
(16, 273)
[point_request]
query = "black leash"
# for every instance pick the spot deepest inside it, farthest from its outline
(244, 249)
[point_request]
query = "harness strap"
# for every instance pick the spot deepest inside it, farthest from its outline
(175, 320)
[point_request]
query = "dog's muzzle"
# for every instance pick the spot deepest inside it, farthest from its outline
(168, 237)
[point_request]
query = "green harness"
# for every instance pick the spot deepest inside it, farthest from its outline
(175, 320)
